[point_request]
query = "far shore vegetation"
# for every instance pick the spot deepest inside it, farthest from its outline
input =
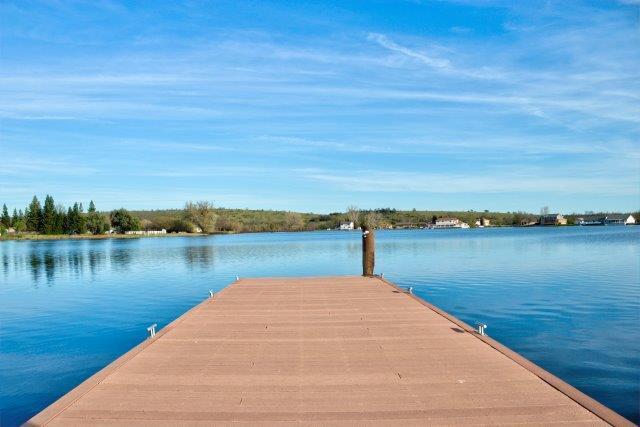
(49, 220)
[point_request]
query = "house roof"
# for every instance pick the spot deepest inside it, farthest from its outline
(617, 216)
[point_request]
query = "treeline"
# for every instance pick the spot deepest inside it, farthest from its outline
(238, 220)
(393, 217)
(203, 217)
(254, 220)
(51, 218)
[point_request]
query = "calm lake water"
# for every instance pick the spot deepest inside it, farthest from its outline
(566, 298)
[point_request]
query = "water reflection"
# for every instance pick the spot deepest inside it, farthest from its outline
(199, 256)
(96, 260)
(120, 258)
(5, 264)
(46, 263)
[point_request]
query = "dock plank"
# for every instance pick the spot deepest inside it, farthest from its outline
(331, 350)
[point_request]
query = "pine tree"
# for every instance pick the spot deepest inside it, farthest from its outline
(14, 217)
(49, 216)
(82, 220)
(60, 218)
(20, 222)
(6, 219)
(68, 222)
(34, 216)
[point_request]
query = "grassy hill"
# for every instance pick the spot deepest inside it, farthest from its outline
(250, 220)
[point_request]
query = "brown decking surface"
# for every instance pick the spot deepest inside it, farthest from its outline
(321, 351)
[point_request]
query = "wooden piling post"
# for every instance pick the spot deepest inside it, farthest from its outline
(368, 251)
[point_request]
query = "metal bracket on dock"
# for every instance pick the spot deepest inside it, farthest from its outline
(152, 330)
(410, 290)
(237, 278)
(211, 293)
(481, 328)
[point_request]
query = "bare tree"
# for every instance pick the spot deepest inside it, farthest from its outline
(371, 219)
(293, 221)
(201, 214)
(353, 214)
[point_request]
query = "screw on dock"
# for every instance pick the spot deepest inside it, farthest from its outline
(481, 328)
(152, 330)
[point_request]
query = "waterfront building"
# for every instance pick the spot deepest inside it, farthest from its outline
(347, 225)
(611, 219)
(553, 219)
(483, 222)
(450, 223)
(619, 219)
(146, 232)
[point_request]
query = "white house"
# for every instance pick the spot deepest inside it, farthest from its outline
(483, 222)
(346, 225)
(146, 232)
(619, 220)
(450, 223)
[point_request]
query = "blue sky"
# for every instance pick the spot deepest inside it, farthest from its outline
(312, 106)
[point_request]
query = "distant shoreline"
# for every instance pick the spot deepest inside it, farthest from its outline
(31, 237)
(45, 237)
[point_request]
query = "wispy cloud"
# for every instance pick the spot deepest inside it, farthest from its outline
(431, 61)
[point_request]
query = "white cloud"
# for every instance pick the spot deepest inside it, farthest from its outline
(385, 42)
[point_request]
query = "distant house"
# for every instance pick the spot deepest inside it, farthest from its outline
(483, 222)
(619, 220)
(612, 219)
(553, 219)
(11, 230)
(146, 232)
(450, 223)
(346, 225)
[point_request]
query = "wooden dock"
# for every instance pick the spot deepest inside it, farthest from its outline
(321, 351)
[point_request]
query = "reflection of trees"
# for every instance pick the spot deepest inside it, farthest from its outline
(201, 256)
(48, 262)
(75, 260)
(96, 259)
(121, 258)
(35, 262)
